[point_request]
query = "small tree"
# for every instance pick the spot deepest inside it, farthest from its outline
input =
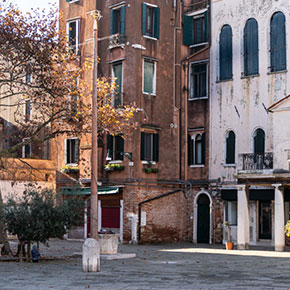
(38, 216)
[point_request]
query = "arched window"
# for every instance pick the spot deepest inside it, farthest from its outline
(196, 149)
(251, 54)
(278, 42)
(230, 148)
(190, 150)
(259, 142)
(226, 59)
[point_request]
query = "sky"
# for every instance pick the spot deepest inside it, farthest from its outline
(26, 5)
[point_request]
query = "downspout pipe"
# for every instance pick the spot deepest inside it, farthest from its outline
(149, 200)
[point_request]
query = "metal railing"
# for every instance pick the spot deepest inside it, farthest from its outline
(256, 161)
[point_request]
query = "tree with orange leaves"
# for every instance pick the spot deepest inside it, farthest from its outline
(42, 89)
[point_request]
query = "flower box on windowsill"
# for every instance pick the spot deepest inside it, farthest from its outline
(151, 170)
(114, 167)
(70, 169)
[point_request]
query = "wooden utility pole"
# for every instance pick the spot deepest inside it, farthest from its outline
(94, 156)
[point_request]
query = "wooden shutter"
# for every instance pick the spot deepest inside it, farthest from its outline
(251, 54)
(230, 148)
(278, 42)
(259, 142)
(119, 148)
(76, 150)
(112, 22)
(123, 20)
(205, 30)
(118, 75)
(110, 145)
(189, 150)
(144, 11)
(226, 62)
(203, 148)
(67, 151)
(187, 30)
(142, 146)
(155, 147)
(156, 22)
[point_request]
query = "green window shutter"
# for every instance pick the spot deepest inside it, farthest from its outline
(142, 146)
(189, 150)
(117, 68)
(76, 151)
(112, 22)
(123, 20)
(230, 147)
(205, 31)
(188, 30)
(119, 147)
(156, 22)
(203, 148)
(155, 147)
(144, 7)
(148, 77)
(110, 145)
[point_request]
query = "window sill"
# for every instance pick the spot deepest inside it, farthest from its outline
(150, 37)
(196, 166)
(149, 94)
(72, 164)
(196, 99)
(144, 162)
(229, 165)
(198, 44)
(249, 76)
(223, 81)
(73, 1)
(277, 72)
(116, 162)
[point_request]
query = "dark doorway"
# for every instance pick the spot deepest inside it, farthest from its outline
(265, 222)
(203, 219)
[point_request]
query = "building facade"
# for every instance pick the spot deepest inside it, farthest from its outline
(248, 142)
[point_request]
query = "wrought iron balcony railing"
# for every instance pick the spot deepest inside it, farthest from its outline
(116, 40)
(254, 161)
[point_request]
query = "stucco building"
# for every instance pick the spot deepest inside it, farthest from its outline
(248, 134)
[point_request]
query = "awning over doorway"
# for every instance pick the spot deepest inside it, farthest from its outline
(254, 194)
(87, 190)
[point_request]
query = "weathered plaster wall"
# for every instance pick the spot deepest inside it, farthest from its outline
(238, 104)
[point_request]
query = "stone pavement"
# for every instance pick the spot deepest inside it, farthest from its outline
(169, 266)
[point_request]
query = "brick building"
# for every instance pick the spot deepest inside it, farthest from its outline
(159, 53)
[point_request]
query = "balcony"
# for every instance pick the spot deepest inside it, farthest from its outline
(254, 162)
(116, 40)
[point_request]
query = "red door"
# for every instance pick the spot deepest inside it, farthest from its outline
(111, 217)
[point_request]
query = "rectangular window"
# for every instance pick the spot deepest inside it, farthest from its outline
(27, 110)
(118, 20)
(198, 81)
(28, 74)
(195, 29)
(72, 151)
(231, 212)
(26, 149)
(149, 77)
(118, 76)
(115, 146)
(149, 146)
(73, 28)
(150, 20)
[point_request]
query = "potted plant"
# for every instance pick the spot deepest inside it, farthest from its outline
(114, 167)
(70, 169)
(150, 168)
(229, 243)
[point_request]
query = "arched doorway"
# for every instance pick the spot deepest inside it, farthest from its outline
(203, 219)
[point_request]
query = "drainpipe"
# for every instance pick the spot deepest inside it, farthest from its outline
(149, 200)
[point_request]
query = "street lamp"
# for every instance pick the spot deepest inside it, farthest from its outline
(91, 247)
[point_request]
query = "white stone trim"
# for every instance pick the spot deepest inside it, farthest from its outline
(195, 215)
